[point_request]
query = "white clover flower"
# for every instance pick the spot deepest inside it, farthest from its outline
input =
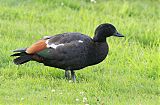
(84, 99)
(93, 1)
(81, 93)
(77, 99)
(22, 98)
(53, 90)
(70, 81)
(62, 4)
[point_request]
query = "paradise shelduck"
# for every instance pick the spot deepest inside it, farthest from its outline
(69, 51)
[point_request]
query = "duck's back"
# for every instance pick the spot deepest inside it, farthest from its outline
(72, 51)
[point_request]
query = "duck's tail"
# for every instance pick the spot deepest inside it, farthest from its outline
(23, 57)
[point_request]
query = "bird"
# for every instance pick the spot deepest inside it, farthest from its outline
(69, 51)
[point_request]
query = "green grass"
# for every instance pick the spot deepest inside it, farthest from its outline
(128, 76)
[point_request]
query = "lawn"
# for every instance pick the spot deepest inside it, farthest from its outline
(130, 75)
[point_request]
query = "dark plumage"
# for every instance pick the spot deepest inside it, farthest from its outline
(69, 51)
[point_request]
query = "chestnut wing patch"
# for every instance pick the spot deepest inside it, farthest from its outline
(36, 47)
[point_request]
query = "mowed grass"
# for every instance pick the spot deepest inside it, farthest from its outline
(128, 76)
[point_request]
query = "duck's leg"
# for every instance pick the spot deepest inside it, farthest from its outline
(73, 76)
(67, 75)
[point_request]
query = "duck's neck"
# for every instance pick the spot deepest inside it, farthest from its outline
(99, 38)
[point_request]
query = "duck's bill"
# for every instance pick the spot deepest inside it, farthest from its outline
(118, 34)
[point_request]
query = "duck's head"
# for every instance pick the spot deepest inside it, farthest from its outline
(105, 30)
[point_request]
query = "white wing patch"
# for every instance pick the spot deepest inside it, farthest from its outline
(53, 45)
(57, 45)
(80, 41)
(46, 37)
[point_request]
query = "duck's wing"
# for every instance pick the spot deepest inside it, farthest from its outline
(51, 46)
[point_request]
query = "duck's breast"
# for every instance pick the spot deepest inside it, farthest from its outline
(98, 53)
